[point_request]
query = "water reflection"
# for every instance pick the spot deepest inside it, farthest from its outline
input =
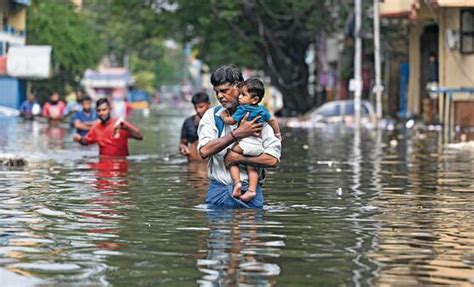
(240, 248)
(196, 176)
(110, 181)
(395, 208)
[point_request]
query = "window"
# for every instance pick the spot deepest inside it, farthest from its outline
(350, 111)
(329, 110)
(467, 31)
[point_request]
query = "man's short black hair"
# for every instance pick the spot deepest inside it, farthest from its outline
(102, 101)
(226, 74)
(86, 99)
(200, 97)
(254, 87)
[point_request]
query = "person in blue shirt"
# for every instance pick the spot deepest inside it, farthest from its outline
(85, 118)
(251, 94)
(30, 108)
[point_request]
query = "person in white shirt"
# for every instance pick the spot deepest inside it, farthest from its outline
(215, 144)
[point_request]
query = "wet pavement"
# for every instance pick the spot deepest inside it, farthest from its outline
(343, 208)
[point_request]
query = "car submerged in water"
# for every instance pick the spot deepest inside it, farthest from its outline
(336, 112)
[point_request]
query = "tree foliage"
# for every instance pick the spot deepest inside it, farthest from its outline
(68, 31)
(269, 35)
(135, 30)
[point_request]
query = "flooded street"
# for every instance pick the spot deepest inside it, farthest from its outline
(390, 208)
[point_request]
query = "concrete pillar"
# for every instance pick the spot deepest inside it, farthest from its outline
(415, 31)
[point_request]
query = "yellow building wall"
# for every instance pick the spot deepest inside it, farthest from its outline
(455, 3)
(18, 19)
(456, 69)
(394, 7)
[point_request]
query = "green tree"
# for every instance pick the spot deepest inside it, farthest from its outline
(269, 35)
(75, 48)
(134, 30)
(263, 34)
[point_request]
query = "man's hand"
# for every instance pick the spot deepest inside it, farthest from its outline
(77, 138)
(232, 158)
(184, 149)
(248, 128)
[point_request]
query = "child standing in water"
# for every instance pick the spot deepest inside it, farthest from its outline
(251, 94)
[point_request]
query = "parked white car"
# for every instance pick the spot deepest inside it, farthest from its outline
(334, 112)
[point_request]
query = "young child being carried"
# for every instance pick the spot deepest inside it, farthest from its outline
(251, 94)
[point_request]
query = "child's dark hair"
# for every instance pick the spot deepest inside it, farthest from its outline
(254, 87)
(200, 97)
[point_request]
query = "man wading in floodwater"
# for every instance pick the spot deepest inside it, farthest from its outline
(216, 138)
(111, 134)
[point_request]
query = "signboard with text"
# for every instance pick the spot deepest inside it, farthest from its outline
(29, 62)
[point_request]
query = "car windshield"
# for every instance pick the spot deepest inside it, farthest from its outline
(329, 110)
(349, 109)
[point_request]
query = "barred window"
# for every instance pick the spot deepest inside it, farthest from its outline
(467, 31)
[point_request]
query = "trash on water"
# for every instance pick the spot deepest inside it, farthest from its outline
(339, 191)
(305, 146)
(393, 143)
(409, 124)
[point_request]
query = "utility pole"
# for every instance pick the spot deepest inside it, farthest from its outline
(358, 60)
(378, 76)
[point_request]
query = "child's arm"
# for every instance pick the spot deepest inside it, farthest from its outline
(227, 118)
(276, 128)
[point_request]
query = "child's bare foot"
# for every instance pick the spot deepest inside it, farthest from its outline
(237, 187)
(248, 195)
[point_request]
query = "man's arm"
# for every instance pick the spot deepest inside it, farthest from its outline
(269, 158)
(275, 126)
(245, 129)
(133, 131)
(80, 139)
(264, 160)
(83, 125)
(183, 146)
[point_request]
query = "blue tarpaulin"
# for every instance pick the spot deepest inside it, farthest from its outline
(22, 2)
(138, 96)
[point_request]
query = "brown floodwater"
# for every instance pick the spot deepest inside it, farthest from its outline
(345, 208)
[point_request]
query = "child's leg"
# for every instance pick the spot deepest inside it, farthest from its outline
(235, 174)
(253, 181)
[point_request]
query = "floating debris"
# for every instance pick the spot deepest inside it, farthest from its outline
(409, 124)
(13, 161)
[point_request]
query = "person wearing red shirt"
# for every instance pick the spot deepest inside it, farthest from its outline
(54, 109)
(110, 133)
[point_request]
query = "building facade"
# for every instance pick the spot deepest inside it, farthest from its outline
(12, 32)
(444, 28)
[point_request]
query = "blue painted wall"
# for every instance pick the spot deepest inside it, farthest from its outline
(12, 92)
(403, 97)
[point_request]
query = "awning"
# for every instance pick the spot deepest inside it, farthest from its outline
(21, 2)
(107, 78)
